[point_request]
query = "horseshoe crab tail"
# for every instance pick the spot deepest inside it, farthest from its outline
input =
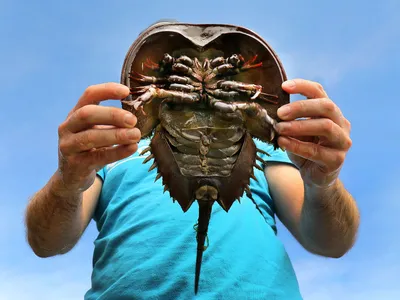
(206, 196)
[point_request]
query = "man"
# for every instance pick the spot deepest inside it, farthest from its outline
(146, 245)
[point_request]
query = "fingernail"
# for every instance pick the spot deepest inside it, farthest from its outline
(289, 84)
(132, 134)
(283, 111)
(129, 120)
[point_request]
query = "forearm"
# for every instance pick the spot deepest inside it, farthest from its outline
(53, 219)
(329, 220)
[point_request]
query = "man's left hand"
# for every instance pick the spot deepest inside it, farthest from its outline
(317, 143)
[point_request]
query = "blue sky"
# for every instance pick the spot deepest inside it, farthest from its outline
(52, 51)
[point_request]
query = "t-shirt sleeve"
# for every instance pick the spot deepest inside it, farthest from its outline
(102, 173)
(277, 155)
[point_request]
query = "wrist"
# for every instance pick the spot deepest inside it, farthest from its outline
(319, 194)
(58, 188)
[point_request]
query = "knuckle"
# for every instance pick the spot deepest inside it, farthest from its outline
(115, 91)
(348, 143)
(63, 146)
(297, 125)
(319, 87)
(62, 128)
(312, 151)
(299, 106)
(340, 157)
(328, 105)
(89, 91)
(83, 113)
(115, 116)
(327, 126)
(120, 135)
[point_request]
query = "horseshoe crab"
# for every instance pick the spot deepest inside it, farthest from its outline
(202, 92)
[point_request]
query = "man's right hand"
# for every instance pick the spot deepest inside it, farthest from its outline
(93, 136)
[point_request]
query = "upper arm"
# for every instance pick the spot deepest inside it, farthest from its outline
(89, 201)
(287, 190)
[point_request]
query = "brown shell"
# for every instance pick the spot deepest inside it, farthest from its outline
(203, 41)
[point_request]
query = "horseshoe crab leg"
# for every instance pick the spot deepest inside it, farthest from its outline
(184, 87)
(252, 109)
(185, 60)
(251, 89)
(148, 93)
(232, 89)
(219, 93)
(147, 79)
(163, 80)
(249, 64)
(183, 80)
(167, 62)
(184, 69)
(232, 65)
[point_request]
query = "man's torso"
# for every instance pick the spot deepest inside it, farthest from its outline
(146, 247)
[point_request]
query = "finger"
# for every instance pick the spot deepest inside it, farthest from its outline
(98, 158)
(327, 158)
(307, 88)
(333, 133)
(105, 91)
(90, 115)
(313, 108)
(103, 126)
(98, 138)
(346, 125)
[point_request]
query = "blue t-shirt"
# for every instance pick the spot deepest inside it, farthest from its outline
(146, 247)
